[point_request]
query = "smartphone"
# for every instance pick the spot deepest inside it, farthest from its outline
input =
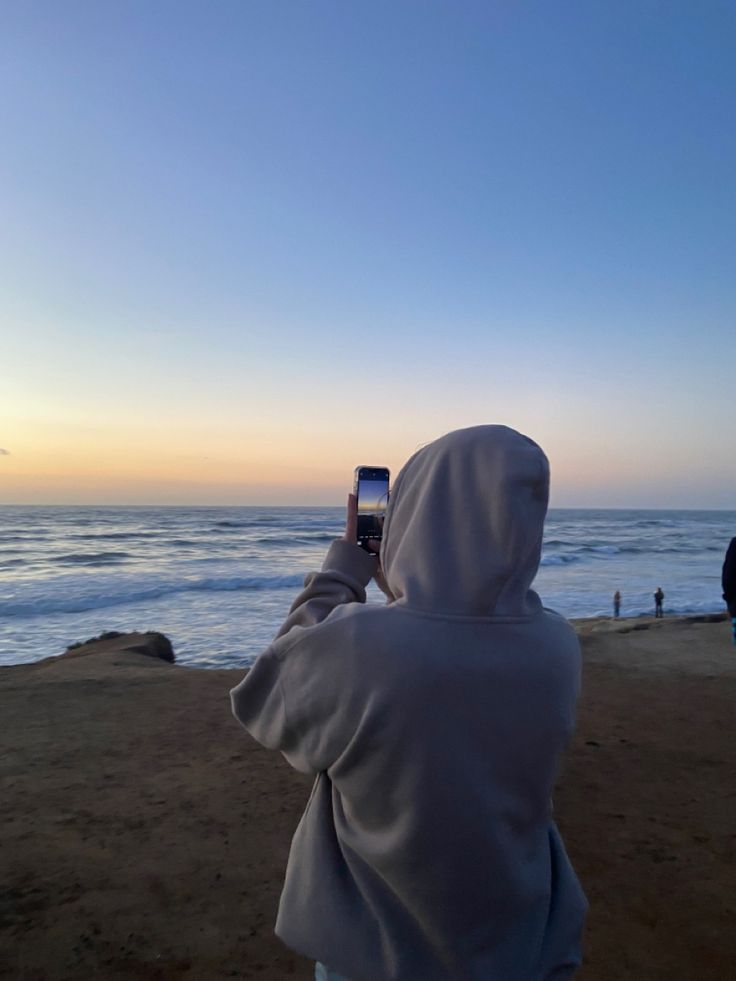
(371, 489)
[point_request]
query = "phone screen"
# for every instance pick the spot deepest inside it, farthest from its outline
(371, 487)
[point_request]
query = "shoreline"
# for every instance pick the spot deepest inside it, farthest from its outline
(582, 626)
(642, 621)
(146, 834)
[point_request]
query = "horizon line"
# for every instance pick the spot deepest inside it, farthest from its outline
(566, 507)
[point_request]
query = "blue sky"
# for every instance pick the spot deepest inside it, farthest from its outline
(250, 245)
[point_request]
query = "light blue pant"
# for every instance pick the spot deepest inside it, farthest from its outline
(322, 973)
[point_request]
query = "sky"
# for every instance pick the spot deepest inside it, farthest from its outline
(247, 246)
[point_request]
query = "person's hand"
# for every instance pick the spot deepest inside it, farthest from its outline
(351, 527)
(374, 545)
(351, 524)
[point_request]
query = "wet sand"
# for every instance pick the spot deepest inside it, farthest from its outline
(145, 834)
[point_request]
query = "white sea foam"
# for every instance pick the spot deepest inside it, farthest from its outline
(559, 559)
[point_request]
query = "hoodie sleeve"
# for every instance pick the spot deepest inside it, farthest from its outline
(290, 673)
(346, 571)
(296, 701)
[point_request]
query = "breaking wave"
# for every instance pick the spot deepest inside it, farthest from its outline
(559, 559)
(124, 593)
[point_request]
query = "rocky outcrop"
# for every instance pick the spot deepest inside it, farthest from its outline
(150, 643)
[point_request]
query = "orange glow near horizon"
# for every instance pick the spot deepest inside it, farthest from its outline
(269, 463)
(91, 464)
(302, 448)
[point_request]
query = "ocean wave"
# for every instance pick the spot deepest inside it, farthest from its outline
(92, 558)
(589, 552)
(110, 594)
(304, 526)
(116, 536)
(559, 559)
(318, 538)
(594, 547)
(31, 536)
(258, 521)
(588, 549)
(655, 523)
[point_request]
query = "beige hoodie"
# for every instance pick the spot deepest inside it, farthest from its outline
(433, 726)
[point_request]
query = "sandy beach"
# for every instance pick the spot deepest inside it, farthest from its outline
(145, 834)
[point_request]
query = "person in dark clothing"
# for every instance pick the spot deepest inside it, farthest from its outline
(728, 581)
(658, 597)
(616, 603)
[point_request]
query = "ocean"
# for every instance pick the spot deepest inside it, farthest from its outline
(218, 581)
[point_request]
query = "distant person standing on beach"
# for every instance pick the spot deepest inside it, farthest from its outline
(658, 598)
(616, 603)
(432, 726)
(728, 581)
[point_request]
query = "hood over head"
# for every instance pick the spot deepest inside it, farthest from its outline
(463, 528)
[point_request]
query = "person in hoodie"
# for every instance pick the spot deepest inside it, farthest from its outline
(728, 582)
(433, 726)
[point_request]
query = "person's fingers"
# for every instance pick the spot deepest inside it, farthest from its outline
(374, 545)
(351, 523)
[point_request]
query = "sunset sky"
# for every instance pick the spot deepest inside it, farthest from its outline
(246, 246)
